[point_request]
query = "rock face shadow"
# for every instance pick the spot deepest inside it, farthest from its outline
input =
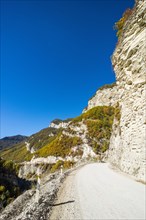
(62, 203)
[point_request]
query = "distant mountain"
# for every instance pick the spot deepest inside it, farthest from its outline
(67, 142)
(11, 141)
(24, 151)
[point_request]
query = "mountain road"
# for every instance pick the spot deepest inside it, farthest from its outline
(96, 191)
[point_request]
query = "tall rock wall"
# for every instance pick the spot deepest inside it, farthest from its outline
(128, 141)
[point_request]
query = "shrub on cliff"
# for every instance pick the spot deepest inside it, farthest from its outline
(57, 166)
(99, 112)
(99, 130)
(120, 24)
(108, 86)
(99, 121)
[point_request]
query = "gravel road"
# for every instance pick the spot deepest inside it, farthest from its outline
(96, 191)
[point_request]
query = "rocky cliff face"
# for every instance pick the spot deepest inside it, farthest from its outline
(127, 144)
(34, 204)
(127, 147)
(104, 97)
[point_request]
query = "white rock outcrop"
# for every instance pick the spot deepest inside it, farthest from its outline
(128, 141)
(59, 125)
(107, 97)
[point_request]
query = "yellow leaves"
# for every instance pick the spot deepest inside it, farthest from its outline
(2, 189)
(61, 146)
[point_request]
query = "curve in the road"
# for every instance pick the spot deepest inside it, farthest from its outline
(98, 192)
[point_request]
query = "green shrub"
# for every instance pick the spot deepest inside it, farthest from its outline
(99, 123)
(2, 189)
(61, 164)
(118, 113)
(68, 164)
(105, 146)
(61, 146)
(56, 166)
(96, 147)
(120, 24)
(98, 112)
(9, 165)
(10, 186)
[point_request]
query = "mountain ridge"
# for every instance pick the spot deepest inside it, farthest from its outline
(10, 141)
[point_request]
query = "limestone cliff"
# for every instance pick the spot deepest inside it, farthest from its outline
(127, 144)
(127, 147)
(106, 96)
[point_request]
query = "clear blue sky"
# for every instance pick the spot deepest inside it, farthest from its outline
(54, 56)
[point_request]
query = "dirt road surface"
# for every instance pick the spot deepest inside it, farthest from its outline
(98, 192)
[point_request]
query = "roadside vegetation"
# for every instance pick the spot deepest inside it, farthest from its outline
(10, 185)
(64, 165)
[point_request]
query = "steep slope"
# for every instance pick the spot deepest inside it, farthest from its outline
(64, 143)
(127, 143)
(34, 204)
(83, 138)
(11, 185)
(24, 150)
(7, 142)
(127, 147)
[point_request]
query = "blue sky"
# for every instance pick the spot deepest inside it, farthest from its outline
(54, 56)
